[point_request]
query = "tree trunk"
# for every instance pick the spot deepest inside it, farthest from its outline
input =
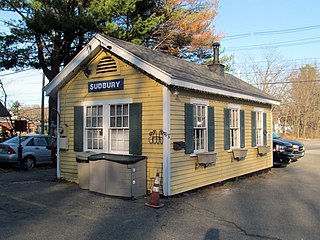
(52, 123)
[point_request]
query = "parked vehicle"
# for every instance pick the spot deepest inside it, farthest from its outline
(282, 152)
(36, 149)
(298, 147)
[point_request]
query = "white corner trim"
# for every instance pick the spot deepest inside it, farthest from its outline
(58, 136)
(166, 142)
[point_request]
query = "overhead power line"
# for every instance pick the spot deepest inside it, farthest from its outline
(276, 44)
(271, 32)
(285, 82)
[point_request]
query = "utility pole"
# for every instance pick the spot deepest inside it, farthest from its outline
(42, 104)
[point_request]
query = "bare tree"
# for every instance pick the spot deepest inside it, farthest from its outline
(305, 102)
(270, 75)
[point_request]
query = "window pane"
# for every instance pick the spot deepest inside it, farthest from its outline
(112, 121)
(101, 143)
(126, 109)
(95, 134)
(94, 110)
(100, 122)
(94, 122)
(125, 122)
(95, 144)
(88, 122)
(119, 122)
(119, 109)
(100, 113)
(89, 113)
(112, 110)
(126, 135)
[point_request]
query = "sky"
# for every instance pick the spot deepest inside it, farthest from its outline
(249, 26)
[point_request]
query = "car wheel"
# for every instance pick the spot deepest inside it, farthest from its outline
(28, 163)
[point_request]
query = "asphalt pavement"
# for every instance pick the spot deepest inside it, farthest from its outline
(283, 203)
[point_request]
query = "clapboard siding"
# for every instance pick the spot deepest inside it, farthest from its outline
(137, 86)
(184, 175)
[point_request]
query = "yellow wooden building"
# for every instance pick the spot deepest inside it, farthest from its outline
(196, 124)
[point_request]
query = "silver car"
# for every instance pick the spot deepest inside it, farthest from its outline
(36, 149)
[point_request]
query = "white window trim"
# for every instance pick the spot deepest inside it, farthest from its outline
(256, 109)
(109, 128)
(199, 101)
(261, 137)
(105, 105)
(205, 103)
(238, 108)
(234, 106)
(85, 132)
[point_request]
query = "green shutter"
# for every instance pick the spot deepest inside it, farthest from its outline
(189, 128)
(78, 129)
(242, 130)
(265, 129)
(135, 128)
(253, 129)
(226, 129)
(211, 137)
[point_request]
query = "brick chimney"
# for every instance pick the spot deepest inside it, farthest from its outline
(216, 67)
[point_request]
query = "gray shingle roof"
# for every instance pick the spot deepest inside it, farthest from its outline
(191, 72)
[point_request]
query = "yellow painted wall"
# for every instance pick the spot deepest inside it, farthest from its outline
(184, 175)
(137, 86)
(141, 88)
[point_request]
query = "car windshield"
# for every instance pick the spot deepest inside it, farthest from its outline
(15, 140)
(274, 135)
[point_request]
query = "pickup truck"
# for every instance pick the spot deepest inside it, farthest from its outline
(298, 147)
(282, 153)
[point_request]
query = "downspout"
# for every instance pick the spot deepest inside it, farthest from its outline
(58, 135)
(166, 142)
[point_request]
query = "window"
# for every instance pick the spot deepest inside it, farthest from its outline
(94, 127)
(234, 128)
(103, 126)
(200, 127)
(119, 128)
(259, 128)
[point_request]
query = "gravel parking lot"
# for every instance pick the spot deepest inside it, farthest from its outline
(281, 204)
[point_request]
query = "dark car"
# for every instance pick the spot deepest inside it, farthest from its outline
(298, 147)
(36, 149)
(282, 153)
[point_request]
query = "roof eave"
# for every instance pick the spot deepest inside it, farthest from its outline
(184, 84)
(72, 67)
(92, 48)
(99, 42)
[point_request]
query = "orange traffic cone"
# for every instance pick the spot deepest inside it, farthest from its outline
(154, 200)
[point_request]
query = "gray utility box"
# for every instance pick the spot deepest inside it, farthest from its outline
(83, 168)
(118, 175)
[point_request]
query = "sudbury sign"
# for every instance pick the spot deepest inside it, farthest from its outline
(109, 85)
